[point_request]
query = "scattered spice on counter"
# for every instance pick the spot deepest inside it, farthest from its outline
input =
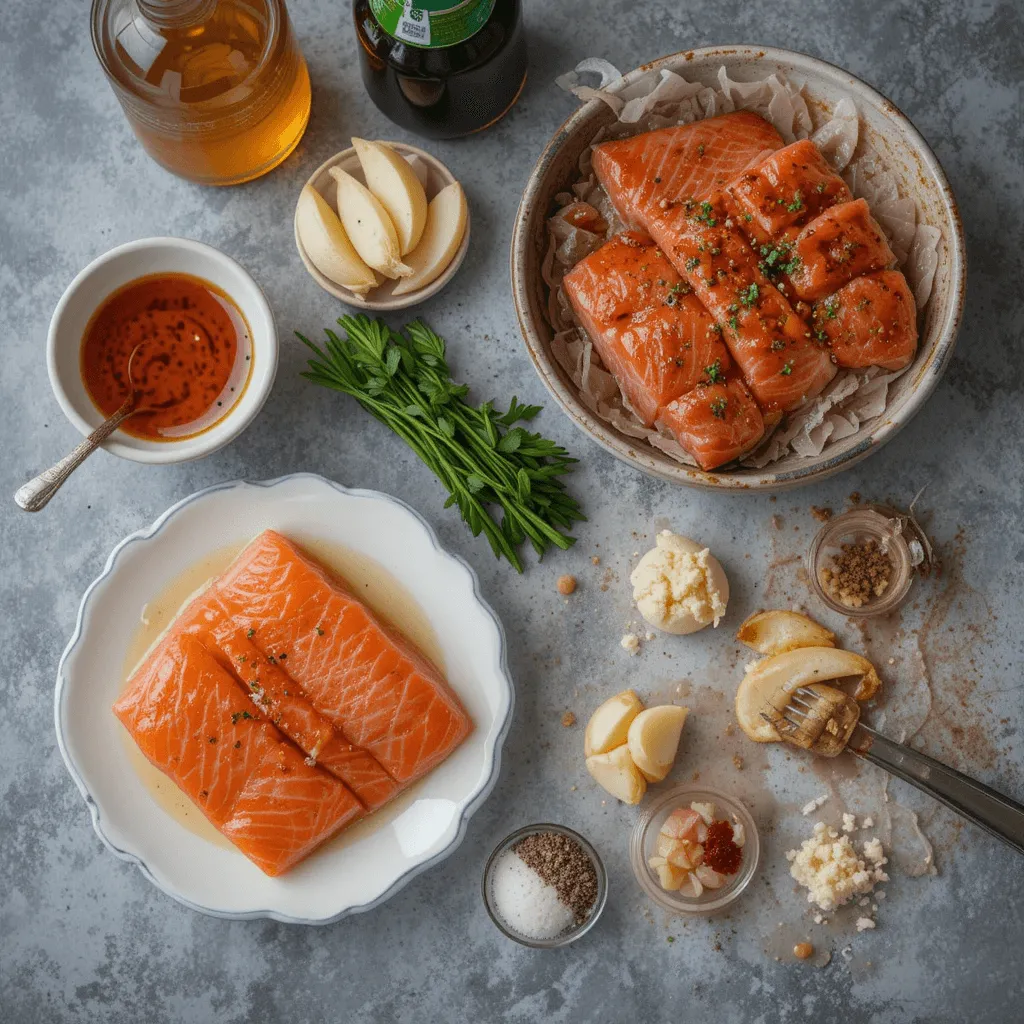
(858, 574)
(568, 719)
(566, 585)
(544, 885)
(823, 515)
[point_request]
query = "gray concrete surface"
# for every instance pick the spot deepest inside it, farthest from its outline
(83, 937)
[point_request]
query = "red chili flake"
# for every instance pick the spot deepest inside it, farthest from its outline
(720, 852)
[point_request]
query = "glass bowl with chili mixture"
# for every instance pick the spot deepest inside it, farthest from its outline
(643, 846)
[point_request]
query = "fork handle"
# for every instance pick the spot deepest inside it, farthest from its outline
(996, 814)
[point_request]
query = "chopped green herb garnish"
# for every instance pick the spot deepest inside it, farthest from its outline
(700, 149)
(718, 407)
(748, 217)
(748, 296)
(693, 263)
(787, 369)
(821, 335)
(820, 187)
(670, 938)
(715, 329)
(831, 307)
(734, 323)
(706, 214)
(250, 633)
(714, 371)
(254, 684)
(245, 714)
(797, 204)
(242, 658)
(778, 345)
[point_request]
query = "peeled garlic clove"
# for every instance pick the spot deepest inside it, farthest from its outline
(653, 739)
(773, 632)
(368, 226)
(327, 245)
(609, 724)
(447, 217)
(768, 684)
(616, 773)
(709, 878)
(395, 184)
(671, 878)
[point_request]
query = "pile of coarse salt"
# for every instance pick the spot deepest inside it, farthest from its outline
(543, 886)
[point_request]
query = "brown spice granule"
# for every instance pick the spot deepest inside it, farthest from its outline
(823, 515)
(568, 719)
(566, 584)
(562, 863)
(859, 573)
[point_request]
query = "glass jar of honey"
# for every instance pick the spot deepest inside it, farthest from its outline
(217, 91)
(442, 68)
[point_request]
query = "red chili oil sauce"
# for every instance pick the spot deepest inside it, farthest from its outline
(193, 364)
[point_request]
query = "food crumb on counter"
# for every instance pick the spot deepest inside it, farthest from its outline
(864, 924)
(803, 951)
(823, 515)
(868, 822)
(630, 642)
(566, 585)
(812, 805)
(595, 560)
(568, 719)
(849, 823)
(737, 762)
(820, 919)
(854, 497)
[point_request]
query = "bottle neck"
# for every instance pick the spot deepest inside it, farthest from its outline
(176, 13)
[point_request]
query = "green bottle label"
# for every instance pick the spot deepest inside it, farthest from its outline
(432, 24)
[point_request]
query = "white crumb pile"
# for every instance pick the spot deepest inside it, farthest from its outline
(630, 642)
(812, 805)
(527, 903)
(827, 864)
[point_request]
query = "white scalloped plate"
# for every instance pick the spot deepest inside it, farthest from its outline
(343, 877)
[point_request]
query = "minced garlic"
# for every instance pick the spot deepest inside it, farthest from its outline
(828, 865)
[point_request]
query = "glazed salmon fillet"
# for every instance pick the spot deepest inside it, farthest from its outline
(284, 709)
(781, 362)
(645, 173)
(281, 699)
(872, 321)
(651, 333)
(786, 190)
(371, 683)
(715, 423)
(842, 243)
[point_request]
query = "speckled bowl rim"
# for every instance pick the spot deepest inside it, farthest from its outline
(389, 303)
(472, 804)
(813, 469)
(570, 935)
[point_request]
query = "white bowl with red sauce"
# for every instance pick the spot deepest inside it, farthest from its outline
(113, 272)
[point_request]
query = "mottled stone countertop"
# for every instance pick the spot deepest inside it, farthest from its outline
(84, 937)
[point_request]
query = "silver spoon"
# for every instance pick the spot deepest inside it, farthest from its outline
(37, 492)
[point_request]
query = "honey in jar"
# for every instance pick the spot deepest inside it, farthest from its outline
(442, 68)
(217, 91)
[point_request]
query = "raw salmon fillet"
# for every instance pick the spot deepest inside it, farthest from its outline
(872, 321)
(715, 423)
(782, 363)
(790, 187)
(651, 333)
(834, 248)
(649, 172)
(280, 706)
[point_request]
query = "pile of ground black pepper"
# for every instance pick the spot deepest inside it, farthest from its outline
(858, 574)
(563, 864)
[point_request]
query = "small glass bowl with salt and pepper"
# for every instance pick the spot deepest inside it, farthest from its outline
(544, 886)
(863, 562)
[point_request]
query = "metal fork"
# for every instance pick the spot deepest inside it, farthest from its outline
(825, 720)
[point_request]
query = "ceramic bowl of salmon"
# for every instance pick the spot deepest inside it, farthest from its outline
(738, 267)
(283, 700)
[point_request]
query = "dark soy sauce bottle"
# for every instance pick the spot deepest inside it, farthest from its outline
(442, 68)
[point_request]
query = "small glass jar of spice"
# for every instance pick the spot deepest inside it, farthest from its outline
(863, 562)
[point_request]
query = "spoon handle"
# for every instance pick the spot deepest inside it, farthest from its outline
(37, 492)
